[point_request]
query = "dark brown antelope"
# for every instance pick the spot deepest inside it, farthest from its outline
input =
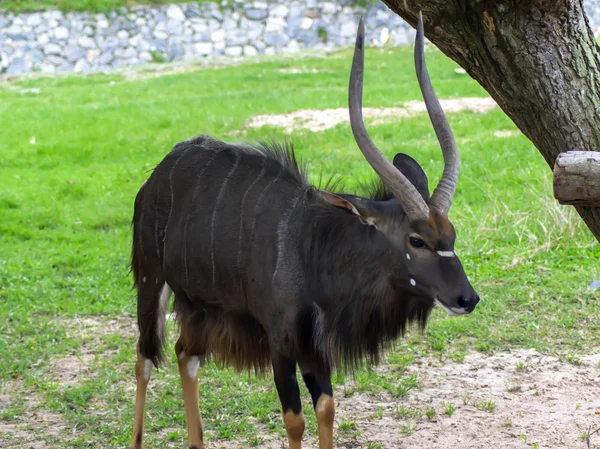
(270, 272)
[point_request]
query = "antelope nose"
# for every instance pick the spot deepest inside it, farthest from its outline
(468, 303)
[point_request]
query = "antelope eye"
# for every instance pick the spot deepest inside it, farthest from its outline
(416, 242)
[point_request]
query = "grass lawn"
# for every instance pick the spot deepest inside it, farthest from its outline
(75, 150)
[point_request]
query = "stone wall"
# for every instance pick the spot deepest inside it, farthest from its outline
(52, 41)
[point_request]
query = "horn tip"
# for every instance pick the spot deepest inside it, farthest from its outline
(360, 34)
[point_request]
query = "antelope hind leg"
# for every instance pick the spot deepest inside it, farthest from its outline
(188, 371)
(143, 369)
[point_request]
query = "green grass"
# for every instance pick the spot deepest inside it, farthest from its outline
(66, 204)
(80, 5)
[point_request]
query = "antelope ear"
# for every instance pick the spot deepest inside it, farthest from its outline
(413, 172)
(338, 201)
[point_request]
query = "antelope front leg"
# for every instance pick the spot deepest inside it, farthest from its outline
(188, 371)
(143, 369)
(284, 371)
(319, 385)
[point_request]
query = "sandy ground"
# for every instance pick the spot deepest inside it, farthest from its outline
(511, 400)
(515, 400)
(320, 120)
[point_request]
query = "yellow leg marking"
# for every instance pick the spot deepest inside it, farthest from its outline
(325, 412)
(294, 426)
(189, 383)
(143, 369)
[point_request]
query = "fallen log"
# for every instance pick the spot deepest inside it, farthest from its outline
(577, 178)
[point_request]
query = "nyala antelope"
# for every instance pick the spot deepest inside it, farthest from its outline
(268, 271)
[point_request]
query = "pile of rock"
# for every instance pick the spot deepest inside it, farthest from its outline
(52, 41)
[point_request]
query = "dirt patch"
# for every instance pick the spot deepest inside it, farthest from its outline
(32, 427)
(505, 133)
(502, 401)
(320, 120)
(85, 327)
(508, 401)
(72, 369)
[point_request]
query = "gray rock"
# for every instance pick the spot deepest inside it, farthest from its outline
(276, 39)
(191, 12)
(233, 51)
(279, 11)
(92, 55)
(203, 48)
(129, 53)
(19, 66)
(52, 49)
(159, 46)
(175, 52)
(256, 14)
(47, 68)
(81, 66)
(229, 24)
(33, 20)
(110, 44)
(348, 29)
(217, 36)
(294, 20)
(35, 56)
(174, 12)
(55, 60)
(3, 61)
(260, 46)
(174, 27)
(74, 53)
(24, 36)
(238, 37)
(145, 56)
(87, 42)
(159, 34)
(308, 37)
(105, 58)
(61, 33)
(249, 50)
(117, 63)
(216, 14)
(203, 36)
(3, 22)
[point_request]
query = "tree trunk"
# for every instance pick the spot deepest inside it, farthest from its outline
(537, 59)
(577, 178)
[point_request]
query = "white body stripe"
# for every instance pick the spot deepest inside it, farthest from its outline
(172, 199)
(281, 234)
(214, 215)
(413, 282)
(446, 253)
(258, 178)
(407, 256)
(187, 219)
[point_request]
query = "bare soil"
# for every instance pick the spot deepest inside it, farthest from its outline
(513, 400)
(320, 120)
(520, 399)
